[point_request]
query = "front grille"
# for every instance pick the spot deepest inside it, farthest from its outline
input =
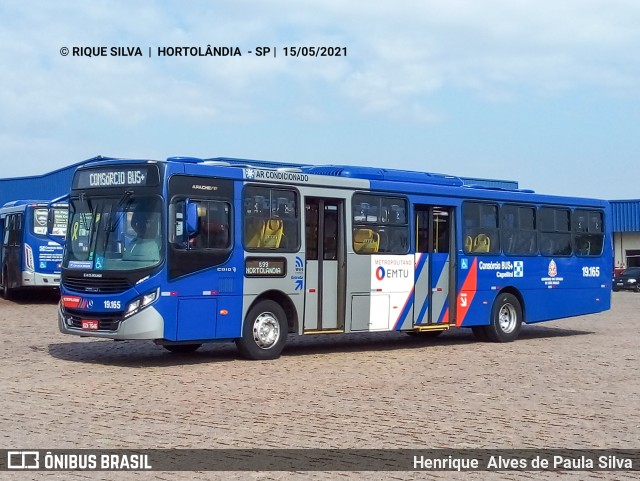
(93, 284)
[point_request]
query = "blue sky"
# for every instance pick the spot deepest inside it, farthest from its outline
(543, 92)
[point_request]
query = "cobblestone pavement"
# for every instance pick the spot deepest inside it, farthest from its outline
(567, 384)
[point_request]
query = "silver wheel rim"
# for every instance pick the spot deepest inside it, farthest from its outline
(266, 330)
(507, 318)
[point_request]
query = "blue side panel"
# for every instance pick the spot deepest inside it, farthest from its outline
(168, 308)
(218, 288)
(560, 303)
(551, 288)
(197, 319)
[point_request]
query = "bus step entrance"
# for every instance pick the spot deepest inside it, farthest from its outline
(431, 327)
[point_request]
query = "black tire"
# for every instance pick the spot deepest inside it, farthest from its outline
(506, 319)
(182, 348)
(264, 332)
(480, 333)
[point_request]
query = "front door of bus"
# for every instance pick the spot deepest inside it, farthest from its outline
(434, 273)
(325, 270)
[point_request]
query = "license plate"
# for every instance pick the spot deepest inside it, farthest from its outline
(90, 325)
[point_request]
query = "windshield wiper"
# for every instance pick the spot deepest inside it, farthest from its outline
(83, 217)
(124, 201)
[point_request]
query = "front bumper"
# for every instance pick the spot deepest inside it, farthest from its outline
(147, 324)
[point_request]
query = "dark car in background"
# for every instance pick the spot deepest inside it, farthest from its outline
(628, 279)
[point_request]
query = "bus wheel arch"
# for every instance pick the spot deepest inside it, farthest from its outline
(507, 316)
(287, 305)
(518, 295)
(265, 328)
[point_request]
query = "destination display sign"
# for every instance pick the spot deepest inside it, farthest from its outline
(116, 177)
(265, 267)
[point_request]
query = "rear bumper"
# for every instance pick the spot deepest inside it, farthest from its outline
(36, 279)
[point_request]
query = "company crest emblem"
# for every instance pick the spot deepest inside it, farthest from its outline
(553, 269)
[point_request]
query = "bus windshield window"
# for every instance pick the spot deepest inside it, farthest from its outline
(40, 221)
(114, 233)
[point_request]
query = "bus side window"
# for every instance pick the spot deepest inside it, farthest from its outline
(481, 225)
(7, 230)
(272, 236)
(270, 219)
(588, 233)
(213, 225)
(365, 241)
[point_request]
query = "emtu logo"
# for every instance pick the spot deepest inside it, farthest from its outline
(380, 273)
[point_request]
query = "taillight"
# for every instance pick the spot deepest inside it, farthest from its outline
(28, 256)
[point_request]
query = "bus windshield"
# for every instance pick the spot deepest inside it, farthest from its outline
(40, 220)
(114, 233)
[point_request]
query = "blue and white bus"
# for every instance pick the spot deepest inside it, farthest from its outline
(32, 234)
(190, 251)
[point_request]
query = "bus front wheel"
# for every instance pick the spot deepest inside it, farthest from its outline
(506, 319)
(264, 332)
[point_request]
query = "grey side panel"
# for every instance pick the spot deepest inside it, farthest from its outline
(329, 294)
(288, 285)
(360, 312)
(358, 285)
(311, 296)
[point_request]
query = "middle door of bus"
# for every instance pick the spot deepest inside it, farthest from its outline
(12, 246)
(435, 274)
(325, 271)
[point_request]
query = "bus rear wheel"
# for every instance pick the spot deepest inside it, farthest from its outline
(506, 319)
(264, 332)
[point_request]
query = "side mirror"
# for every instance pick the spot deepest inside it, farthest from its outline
(192, 218)
(50, 221)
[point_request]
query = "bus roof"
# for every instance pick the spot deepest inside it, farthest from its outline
(379, 178)
(17, 203)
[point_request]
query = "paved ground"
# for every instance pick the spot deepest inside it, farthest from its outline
(566, 384)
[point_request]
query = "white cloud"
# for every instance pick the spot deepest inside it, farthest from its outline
(399, 53)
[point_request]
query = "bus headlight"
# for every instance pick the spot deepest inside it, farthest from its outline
(140, 303)
(28, 257)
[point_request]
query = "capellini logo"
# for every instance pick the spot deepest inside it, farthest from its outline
(380, 273)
